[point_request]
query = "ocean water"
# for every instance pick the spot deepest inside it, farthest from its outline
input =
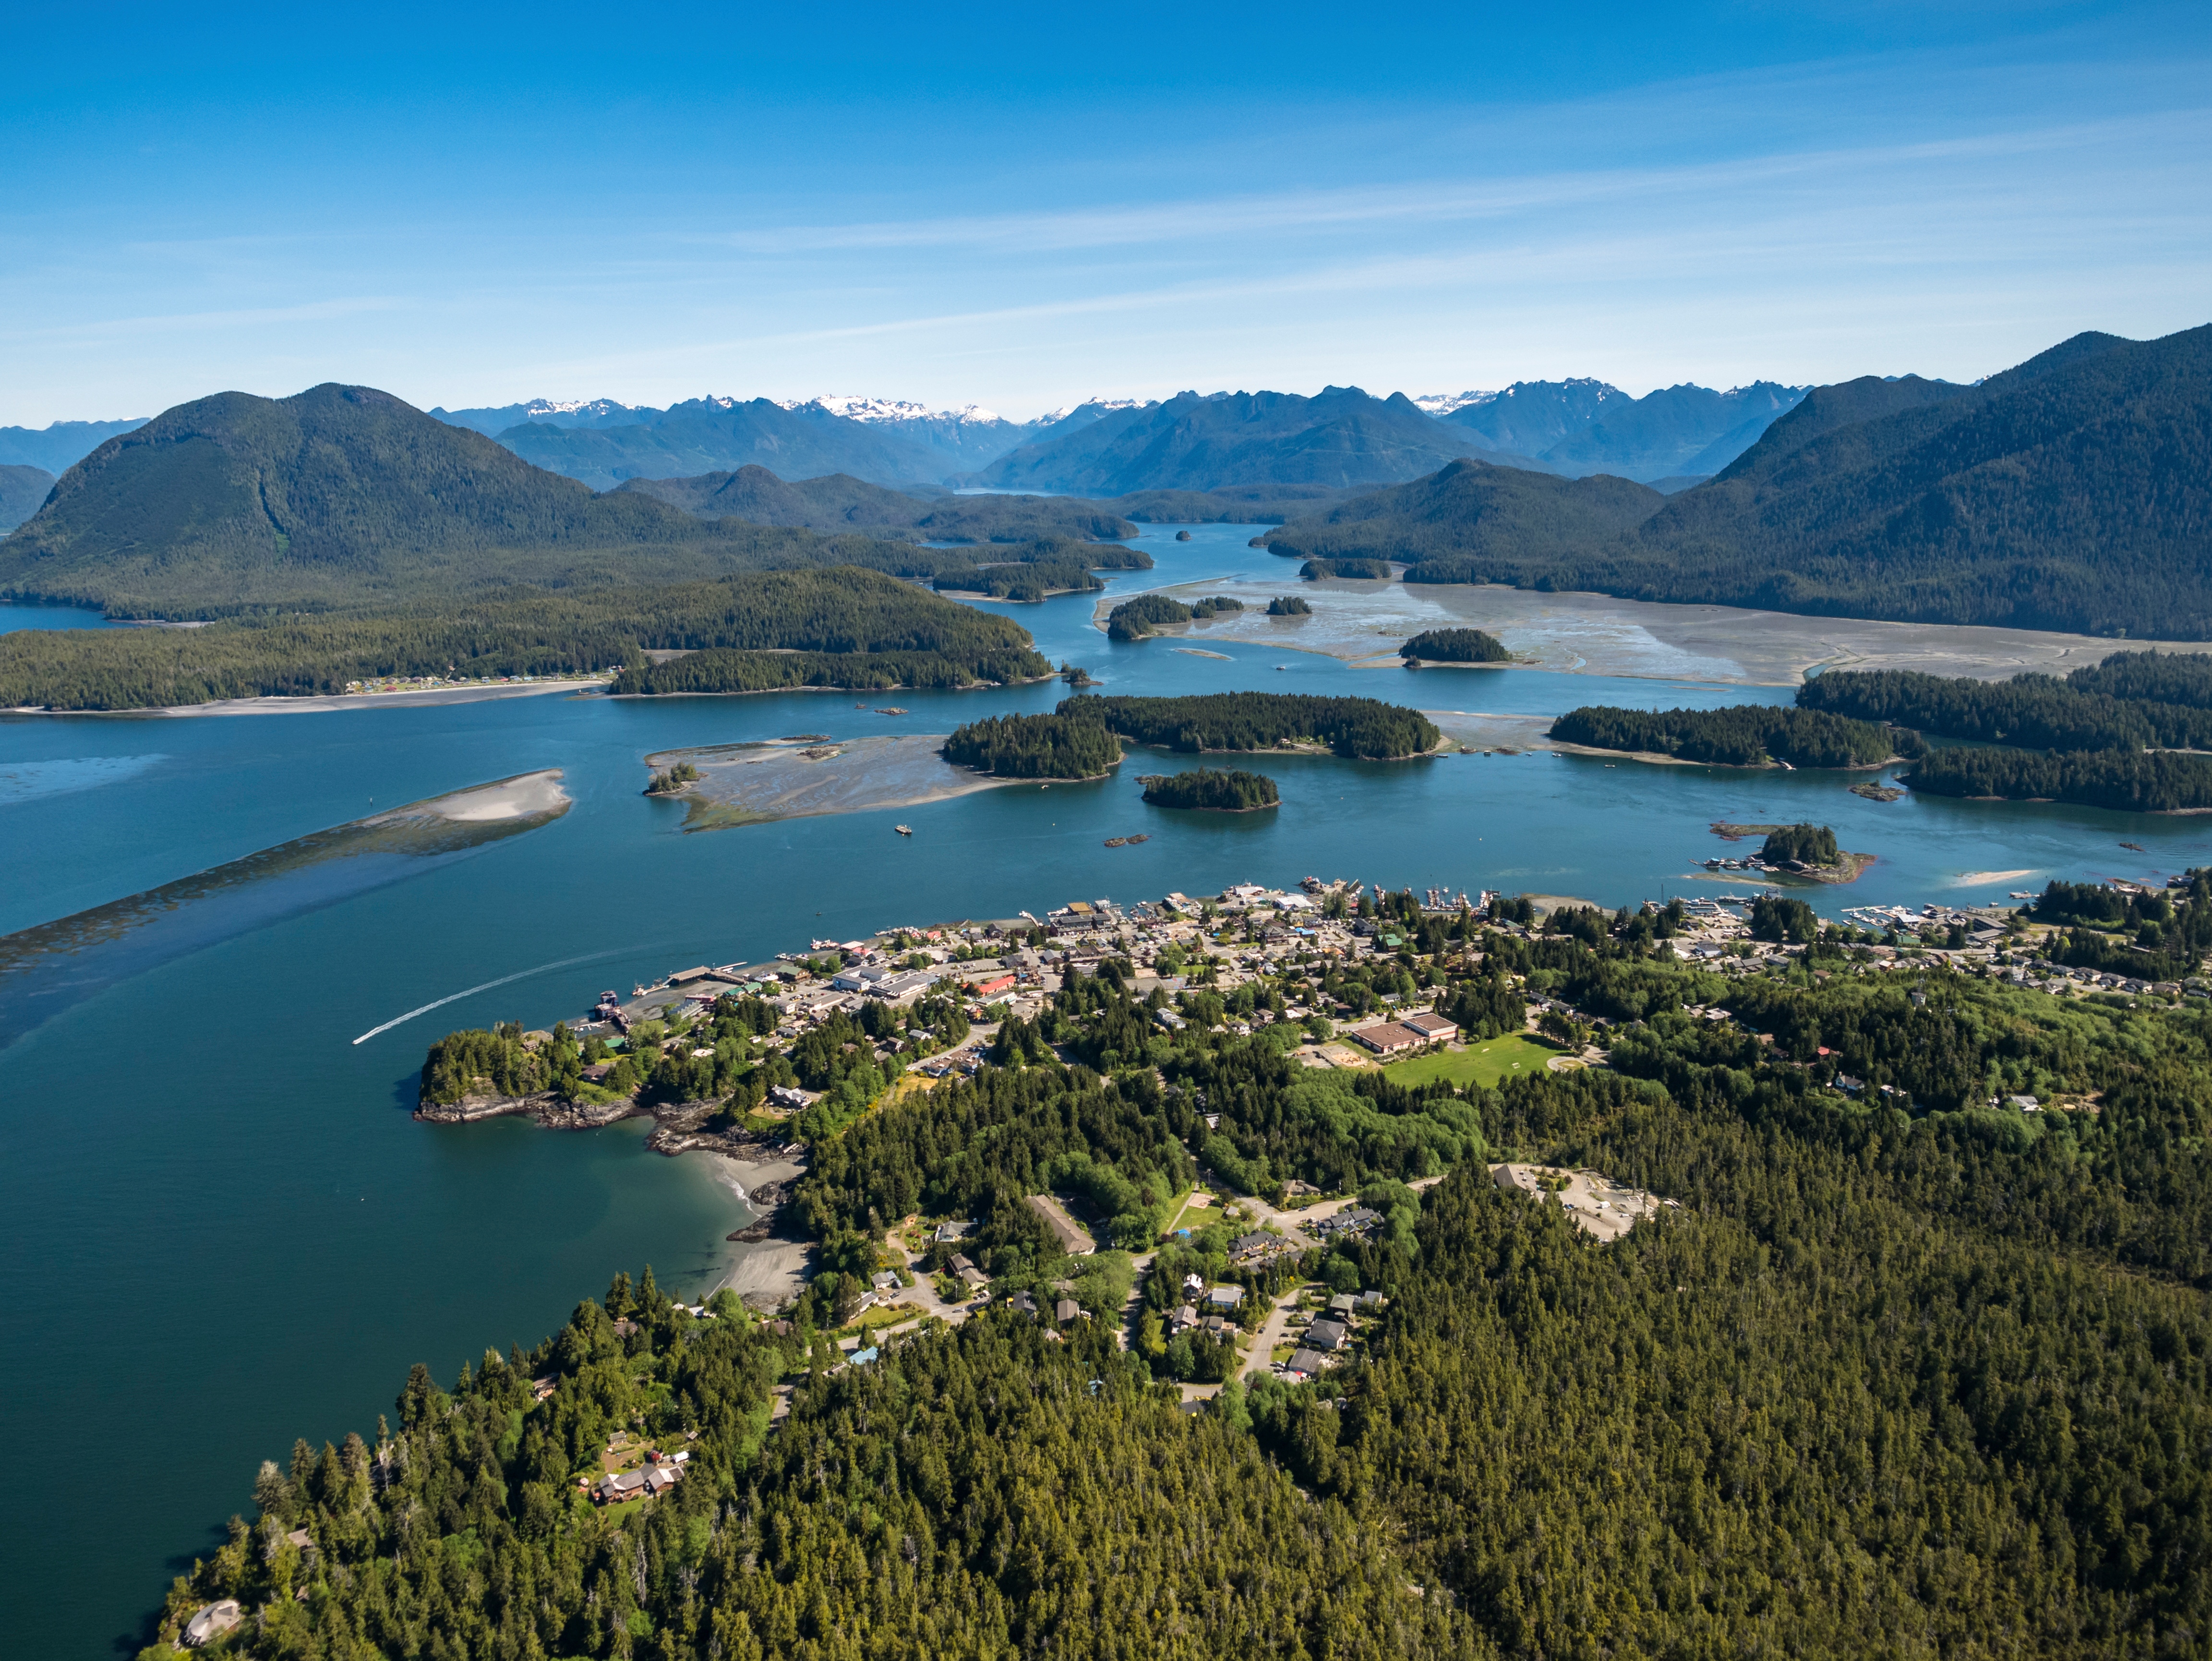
(224, 1230)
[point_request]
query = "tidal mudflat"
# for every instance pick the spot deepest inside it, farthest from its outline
(795, 778)
(1364, 624)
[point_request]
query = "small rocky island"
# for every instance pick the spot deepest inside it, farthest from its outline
(1806, 852)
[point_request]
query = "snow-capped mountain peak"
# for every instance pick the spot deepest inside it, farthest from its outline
(1443, 404)
(853, 406)
(583, 406)
(1103, 405)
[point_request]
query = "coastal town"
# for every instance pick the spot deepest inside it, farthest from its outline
(937, 1002)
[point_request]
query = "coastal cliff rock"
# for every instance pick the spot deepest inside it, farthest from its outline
(542, 1105)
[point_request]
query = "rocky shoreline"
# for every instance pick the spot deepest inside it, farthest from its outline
(677, 1126)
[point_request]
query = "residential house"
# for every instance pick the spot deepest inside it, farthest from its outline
(1305, 1363)
(1224, 1299)
(1325, 1334)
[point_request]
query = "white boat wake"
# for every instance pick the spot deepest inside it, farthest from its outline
(519, 975)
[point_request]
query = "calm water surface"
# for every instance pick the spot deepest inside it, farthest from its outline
(222, 1226)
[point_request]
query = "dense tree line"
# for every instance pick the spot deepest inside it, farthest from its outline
(836, 611)
(1366, 570)
(1808, 844)
(1214, 791)
(1025, 583)
(1289, 605)
(1057, 747)
(1456, 646)
(2034, 712)
(2133, 781)
(716, 669)
(2183, 677)
(1362, 728)
(1742, 735)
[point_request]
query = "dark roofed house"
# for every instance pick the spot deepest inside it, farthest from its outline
(1254, 1245)
(1305, 1363)
(1326, 1334)
(1066, 1309)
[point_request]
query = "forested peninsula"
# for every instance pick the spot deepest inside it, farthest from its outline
(846, 622)
(1899, 1371)
(1742, 735)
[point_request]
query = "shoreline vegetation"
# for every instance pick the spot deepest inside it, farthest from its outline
(1740, 735)
(1207, 791)
(761, 630)
(1082, 738)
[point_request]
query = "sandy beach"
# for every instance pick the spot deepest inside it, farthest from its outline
(765, 1273)
(784, 779)
(526, 795)
(324, 704)
(1365, 623)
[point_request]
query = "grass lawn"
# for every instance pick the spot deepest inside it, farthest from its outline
(1483, 1063)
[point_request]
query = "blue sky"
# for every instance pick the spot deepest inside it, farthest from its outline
(1018, 209)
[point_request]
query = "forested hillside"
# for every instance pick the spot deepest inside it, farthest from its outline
(2070, 492)
(344, 496)
(1472, 522)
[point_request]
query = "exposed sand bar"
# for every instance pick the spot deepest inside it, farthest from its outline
(1595, 634)
(324, 704)
(786, 779)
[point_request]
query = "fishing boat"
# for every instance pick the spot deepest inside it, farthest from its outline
(903, 830)
(1117, 842)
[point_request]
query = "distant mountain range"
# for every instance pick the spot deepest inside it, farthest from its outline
(54, 449)
(1195, 441)
(1582, 427)
(2074, 491)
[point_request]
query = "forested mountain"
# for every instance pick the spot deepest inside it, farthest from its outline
(1582, 427)
(22, 490)
(1194, 442)
(842, 502)
(1459, 524)
(343, 495)
(2074, 491)
(61, 445)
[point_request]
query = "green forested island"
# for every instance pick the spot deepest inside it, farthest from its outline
(1905, 1369)
(1216, 791)
(1290, 605)
(854, 622)
(1136, 618)
(2131, 781)
(1808, 844)
(1456, 645)
(1081, 738)
(1365, 570)
(1742, 735)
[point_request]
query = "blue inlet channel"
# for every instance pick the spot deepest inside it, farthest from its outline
(223, 1229)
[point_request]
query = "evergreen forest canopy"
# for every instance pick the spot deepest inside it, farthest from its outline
(2106, 736)
(1223, 791)
(1740, 735)
(1081, 738)
(1144, 615)
(1808, 844)
(1456, 645)
(1903, 1374)
(2070, 492)
(850, 622)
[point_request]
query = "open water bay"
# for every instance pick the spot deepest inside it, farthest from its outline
(223, 1229)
